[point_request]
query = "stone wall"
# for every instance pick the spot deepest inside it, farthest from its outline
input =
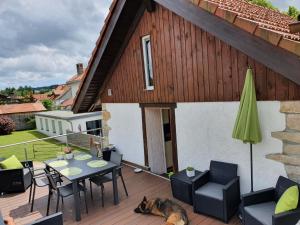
(290, 137)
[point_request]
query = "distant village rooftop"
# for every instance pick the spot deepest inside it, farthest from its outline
(21, 108)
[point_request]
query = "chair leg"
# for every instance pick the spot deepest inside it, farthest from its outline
(30, 192)
(91, 190)
(102, 194)
(32, 200)
(85, 198)
(124, 184)
(48, 204)
(62, 200)
(57, 202)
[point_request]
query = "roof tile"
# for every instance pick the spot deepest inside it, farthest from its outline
(21, 108)
(272, 37)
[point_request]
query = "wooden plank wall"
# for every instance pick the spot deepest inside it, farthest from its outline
(189, 65)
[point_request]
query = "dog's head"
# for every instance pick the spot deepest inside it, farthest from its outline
(143, 207)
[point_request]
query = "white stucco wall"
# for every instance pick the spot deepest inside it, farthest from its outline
(74, 88)
(72, 125)
(126, 131)
(204, 133)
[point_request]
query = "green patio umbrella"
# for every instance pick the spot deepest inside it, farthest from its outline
(247, 128)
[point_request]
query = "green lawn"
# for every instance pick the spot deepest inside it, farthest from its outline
(43, 149)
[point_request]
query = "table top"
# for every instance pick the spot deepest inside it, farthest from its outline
(183, 177)
(85, 170)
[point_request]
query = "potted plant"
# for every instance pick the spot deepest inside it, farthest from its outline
(190, 171)
(68, 152)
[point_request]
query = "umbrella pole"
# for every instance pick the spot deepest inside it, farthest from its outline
(251, 164)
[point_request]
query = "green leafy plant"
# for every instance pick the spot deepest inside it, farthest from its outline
(190, 168)
(7, 125)
(265, 3)
(293, 12)
(48, 104)
(170, 174)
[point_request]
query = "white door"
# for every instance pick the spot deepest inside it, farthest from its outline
(155, 140)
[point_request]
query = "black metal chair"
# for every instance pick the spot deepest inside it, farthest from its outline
(55, 219)
(99, 180)
(217, 192)
(63, 191)
(39, 179)
(16, 180)
(259, 207)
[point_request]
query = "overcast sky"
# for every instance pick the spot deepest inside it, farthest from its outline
(42, 40)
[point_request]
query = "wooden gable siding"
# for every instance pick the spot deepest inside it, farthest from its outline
(189, 65)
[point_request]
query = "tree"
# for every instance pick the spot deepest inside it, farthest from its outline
(48, 104)
(264, 3)
(7, 125)
(293, 12)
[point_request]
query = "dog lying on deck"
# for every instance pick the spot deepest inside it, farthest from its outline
(172, 212)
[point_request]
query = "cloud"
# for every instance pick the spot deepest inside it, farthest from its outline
(41, 41)
(284, 4)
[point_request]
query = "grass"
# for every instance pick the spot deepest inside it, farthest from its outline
(37, 151)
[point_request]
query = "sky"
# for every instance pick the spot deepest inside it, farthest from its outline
(42, 40)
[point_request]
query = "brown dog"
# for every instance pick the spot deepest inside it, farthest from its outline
(172, 212)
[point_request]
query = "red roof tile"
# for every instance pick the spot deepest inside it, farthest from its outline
(76, 78)
(21, 108)
(41, 97)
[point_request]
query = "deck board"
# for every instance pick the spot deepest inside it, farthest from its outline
(138, 185)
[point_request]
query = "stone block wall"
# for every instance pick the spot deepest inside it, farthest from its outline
(290, 137)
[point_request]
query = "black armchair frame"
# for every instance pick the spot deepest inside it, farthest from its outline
(221, 209)
(14, 180)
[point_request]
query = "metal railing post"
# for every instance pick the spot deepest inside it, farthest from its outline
(25, 151)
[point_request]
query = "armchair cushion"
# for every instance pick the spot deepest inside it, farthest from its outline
(212, 190)
(262, 212)
(11, 163)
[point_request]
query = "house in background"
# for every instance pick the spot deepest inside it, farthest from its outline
(20, 113)
(66, 93)
(54, 123)
(171, 72)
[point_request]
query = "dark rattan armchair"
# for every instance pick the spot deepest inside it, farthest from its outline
(217, 192)
(16, 180)
(259, 207)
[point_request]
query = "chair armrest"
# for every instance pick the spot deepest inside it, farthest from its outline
(56, 219)
(200, 180)
(286, 218)
(257, 197)
(232, 196)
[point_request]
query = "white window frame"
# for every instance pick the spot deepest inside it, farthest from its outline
(60, 128)
(53, 126)
(148, 65)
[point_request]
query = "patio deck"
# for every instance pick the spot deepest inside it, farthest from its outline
(138, 185)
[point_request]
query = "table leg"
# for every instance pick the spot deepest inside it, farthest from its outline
(115, 186)
(76, 200)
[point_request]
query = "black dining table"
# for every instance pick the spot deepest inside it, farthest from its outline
(86, 172)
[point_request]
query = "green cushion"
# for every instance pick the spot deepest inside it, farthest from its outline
(11, 163)
(288, 201)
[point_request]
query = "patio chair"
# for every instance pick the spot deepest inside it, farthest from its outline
(99, 180)
(217, 192)
(39, 179)
(259, 207)
(63, 191)
(56, 219)
(15, 180)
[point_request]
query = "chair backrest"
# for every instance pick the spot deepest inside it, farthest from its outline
(52, 183)
(56, 219)
(116, 158)
(221, 172)
(282, 185)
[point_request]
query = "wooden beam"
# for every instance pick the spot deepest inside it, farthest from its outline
(275, 58)
(294, 27)
(150, 5)
(85, 86)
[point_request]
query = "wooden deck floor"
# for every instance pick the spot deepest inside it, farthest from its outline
(138, 185)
